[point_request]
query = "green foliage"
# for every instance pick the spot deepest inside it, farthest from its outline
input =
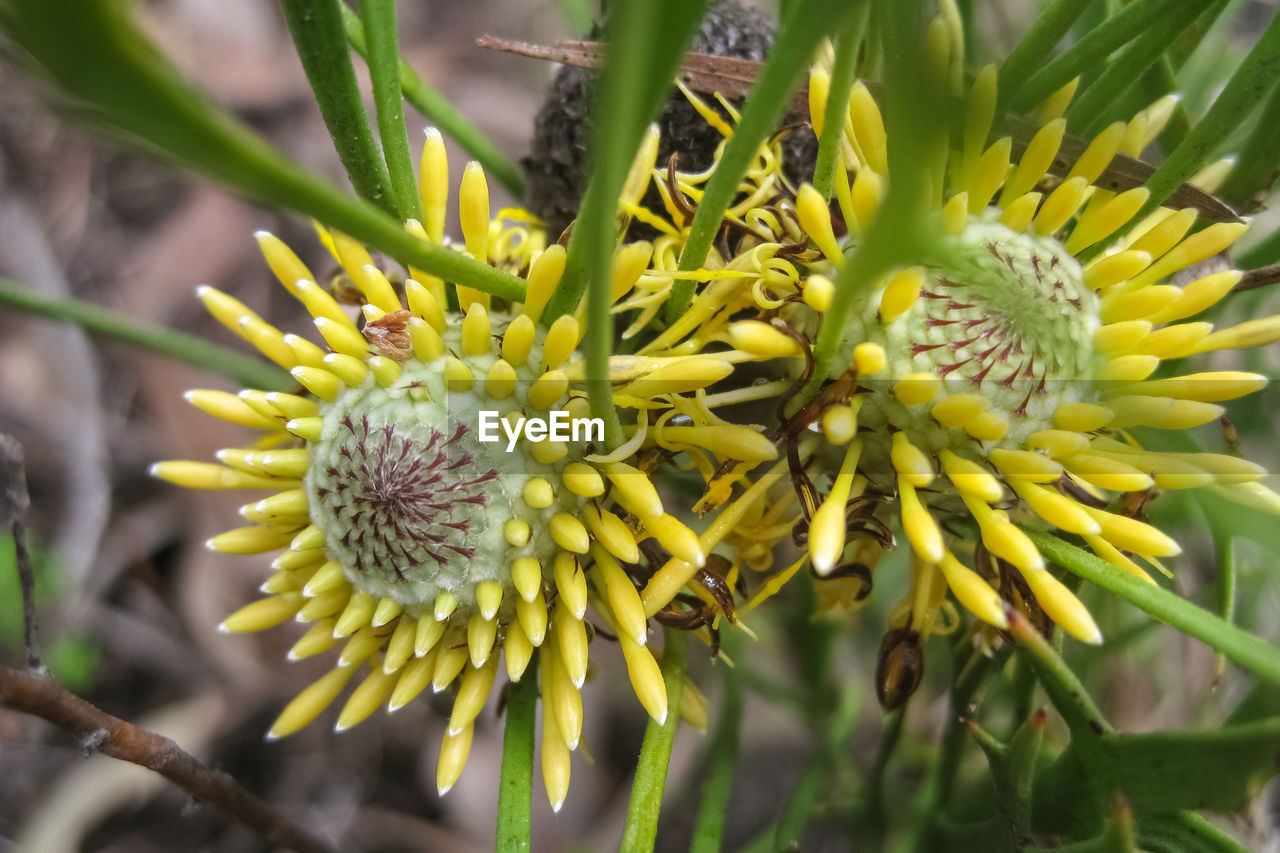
(71, 657)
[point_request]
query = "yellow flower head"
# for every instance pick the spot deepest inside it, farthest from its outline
(419, 547)
(991, 383)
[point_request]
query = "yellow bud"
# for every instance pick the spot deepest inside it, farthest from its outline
(537, 493)
(569, 533)
(869, 358)
(901, 292)
(972, 591)
(262, 614)
(1025, 465)
(910, 462)
(1114, 268)
(454, 750)
(1202, 387)
(532, 616)
(310, 702)
(970, 477)
(817, 293)
(571, 583)
(922, 530)
(762, 340)
(413, 679)
(1055, 508)
(958, 409)
(917, 388)
(673, 535)
(1002, 538)
(365, 699)
(581, 479)
(473, 692)
(1107, 473)
(400, 646)
(646, 678)
(248, 540)
(476, 331)
(1081, 417)
(1062, 606)
(634, 489)
(815, 219)
(207, 475)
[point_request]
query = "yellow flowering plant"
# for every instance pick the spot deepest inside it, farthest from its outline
(888, 404)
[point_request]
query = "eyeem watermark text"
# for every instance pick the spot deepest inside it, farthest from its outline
(557, 427)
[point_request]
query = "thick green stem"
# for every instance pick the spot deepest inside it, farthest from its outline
(163, 341)
(722, 757)
(837, 107)
(321, 42)
(384, 73)
(641, 828)
(515, 789)
(632, 85)
(806, 22)
(444, 115)
(1239, 646)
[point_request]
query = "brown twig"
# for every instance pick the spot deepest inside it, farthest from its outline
(14, 502)
(33, 691)
(38, 694)
(1260, 277)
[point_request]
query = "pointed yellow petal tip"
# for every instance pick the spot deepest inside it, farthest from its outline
(442, 790)
(557, 805)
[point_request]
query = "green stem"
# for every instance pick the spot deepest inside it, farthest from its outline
(641, 827)
(1049, 28)
(444, 115)
(809, 789)
(515, 789)
(877, 820)
(916, 120)
(842, 75)
(1091, 51)
(632, 86)
(224, 361)
(1238, 645)
(1251, 83)
(318, 35)
(806, 22)
(384, 73)
(1088, 109)
(722, 758)
(1065, 690)
(1225, 551)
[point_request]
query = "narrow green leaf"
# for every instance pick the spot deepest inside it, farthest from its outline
(722, 757)
(847, 46)
(1186, 832)
(916, 120)
(641, 828)
(384, 74)
(1240, 646)
(1089, 109)
(1257, 166)
(806, 22)
(96, 55)
(515, 789)
(150, 337)
(318, 36)
(645, 43)
(808, 791)
(1046, 31)
(444, 115)
(1247, 88)
(169, 343)
(1091, 50)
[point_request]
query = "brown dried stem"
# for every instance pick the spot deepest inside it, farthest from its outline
(38, 694)
(33, 691)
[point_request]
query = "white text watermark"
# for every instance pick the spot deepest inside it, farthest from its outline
(558, 426)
